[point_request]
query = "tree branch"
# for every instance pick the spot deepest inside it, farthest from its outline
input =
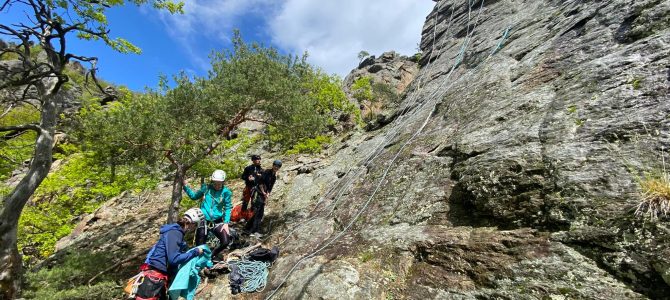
(33, 127)
(257, 120)
(236, 120)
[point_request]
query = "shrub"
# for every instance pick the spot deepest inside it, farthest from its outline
(312, 146)
(362, 89)
(656, 197)
(69, 278)
(78, 187)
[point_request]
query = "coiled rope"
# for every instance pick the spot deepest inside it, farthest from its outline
(255, 274)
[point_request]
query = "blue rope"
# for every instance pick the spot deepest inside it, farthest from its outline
(502, 40)
(255, 274)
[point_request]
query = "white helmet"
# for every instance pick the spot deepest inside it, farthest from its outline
(195, 215)
(219, 175)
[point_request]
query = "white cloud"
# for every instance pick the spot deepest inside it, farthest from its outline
(333, 32)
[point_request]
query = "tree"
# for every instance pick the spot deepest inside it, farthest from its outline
(362, 55)
(185, 124)
(29, 80)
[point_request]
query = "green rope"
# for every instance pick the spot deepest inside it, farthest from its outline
(255, 274)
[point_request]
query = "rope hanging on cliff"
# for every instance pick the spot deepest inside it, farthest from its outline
(457, 62)
(360, 211)
(422, 77)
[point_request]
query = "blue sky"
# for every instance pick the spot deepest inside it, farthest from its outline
(332, 31)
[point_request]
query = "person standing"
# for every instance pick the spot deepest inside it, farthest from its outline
(251, 174)
(265, 185)
(216, 207)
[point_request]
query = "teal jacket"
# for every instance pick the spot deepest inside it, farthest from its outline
(185, 284)
(216, 204)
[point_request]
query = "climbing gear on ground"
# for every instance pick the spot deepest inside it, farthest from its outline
(238, 214)
(219, 175)
(265, 255)
(255, 274)
(277, 163)
(235, 279)
(195, 215)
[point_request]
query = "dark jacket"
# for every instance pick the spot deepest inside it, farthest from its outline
(268, 179)
(251, 170)
(170, 250)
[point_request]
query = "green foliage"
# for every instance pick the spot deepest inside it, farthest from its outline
(636, 83)
(366, 256)
(362, 89)
(14, 151)
(68, 279)
(78, 187)
(231, 157)
(384, 93)
(183, 121)
(311, 145)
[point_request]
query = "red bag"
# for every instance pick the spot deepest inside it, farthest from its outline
(237, 214)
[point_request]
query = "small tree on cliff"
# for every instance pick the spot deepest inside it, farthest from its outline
(38, 82)
(183, 125)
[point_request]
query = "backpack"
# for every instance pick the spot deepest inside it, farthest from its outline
(265, 255)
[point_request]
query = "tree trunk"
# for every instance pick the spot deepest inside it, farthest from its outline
(177, 186)
(10, 260)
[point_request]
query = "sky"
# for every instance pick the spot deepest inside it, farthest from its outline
(333, 32)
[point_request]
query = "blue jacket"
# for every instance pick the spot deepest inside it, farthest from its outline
(170, 250)
(186, 282)
(216, 205)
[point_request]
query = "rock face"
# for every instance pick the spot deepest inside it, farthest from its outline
(389, 76)
(511, 169)
(525, 114)
(390, 68)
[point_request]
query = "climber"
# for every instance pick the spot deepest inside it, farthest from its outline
(164, 258)
(216, 207)
(265, 185)
(251, 172)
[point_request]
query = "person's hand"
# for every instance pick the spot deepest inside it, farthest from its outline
(251, 177)
(199, 250)
(226, 229)
(184, 182)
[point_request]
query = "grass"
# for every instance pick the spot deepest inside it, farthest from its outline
(655, 197)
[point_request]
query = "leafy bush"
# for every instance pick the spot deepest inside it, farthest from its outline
(78, 187)
(362, 89)
(69, 279)
(313, 145)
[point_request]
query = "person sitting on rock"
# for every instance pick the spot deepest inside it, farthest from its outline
(164, 258)
(250, 174)
(265, 185)
(216, 207)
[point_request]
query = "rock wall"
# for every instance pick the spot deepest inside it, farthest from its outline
(511, 170)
